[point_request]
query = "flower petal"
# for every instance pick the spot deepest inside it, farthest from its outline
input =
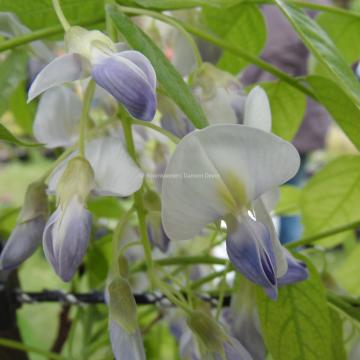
(218, 109)
(124, 345)
(66, 238)
(115, 172)
(57, 118)
(250, 250)
(23, 241)
(264, 217)
(234, 350)
(257, 110)
(141, 62)
(129, 85)
(63, 69)
(156, 233)
(219, 169)
(297, 270)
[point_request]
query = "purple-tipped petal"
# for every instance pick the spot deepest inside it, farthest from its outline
(127, 82)
(234, 350)
(66, 238)
(143, 63)
(23, 241)
(124, 345)
(297, 270)
(179, 126)
(250, 250)
(156, 232)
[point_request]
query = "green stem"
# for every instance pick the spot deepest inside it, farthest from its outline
(248, 57)
(157, 128)
(138, 196)
(350, 310)
(170, 21)
(310, 239)
(210, 277)
(89, 93)
(40, 34)
(59, 13)
(183, 260)
(27, 348)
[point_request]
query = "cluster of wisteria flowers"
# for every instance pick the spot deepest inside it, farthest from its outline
(247, 164)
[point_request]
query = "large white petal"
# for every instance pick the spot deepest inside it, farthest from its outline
(66, 68)
(230, 166)
(257, 110)
(57, 118)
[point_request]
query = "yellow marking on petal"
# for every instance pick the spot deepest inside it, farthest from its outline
(233, 193)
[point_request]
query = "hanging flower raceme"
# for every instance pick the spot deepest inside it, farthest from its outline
(227, 172)
(27, 235)
(127, 75)
(108, 170)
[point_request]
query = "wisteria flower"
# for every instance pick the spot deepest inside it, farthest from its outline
(108, 170)
(27, 234)
(127, 75)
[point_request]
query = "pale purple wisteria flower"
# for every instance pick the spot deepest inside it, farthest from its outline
(107, 171)
(126, 74)
(27, 234)
(232, 173)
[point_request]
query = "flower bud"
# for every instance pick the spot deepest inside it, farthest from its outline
(152, 201)
(76, 182)
(88, 43)
(123, 266)
(27, 235)
(122, 304)
(208, 331)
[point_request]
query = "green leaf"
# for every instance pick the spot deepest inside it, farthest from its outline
(288, 107)
(341, 108)
(12, 72)
(322, 47)
(343, 31)
(40, 14)
(182, 4)
(22, 111)
(331, 198)
(242, 25)
(289, 200)
(297, 325)
(167, 75)
(337, 342)
(7, 136)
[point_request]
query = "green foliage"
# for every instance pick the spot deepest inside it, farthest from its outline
(168, 77)
(337, 344)
(297, 325)
(6, 135)
(343, 31)
(323, 49)
(180, 4)
(289, 200)
(331, 198)
(287, 108)
(341, 108)
(242, 25)
(39, 14)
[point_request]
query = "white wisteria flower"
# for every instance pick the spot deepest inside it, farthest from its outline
(107, 171)
(126, 74)
(230, 172)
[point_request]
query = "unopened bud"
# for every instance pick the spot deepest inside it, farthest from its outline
(123, 266)
(84, 42)
(152, 201)
(207, 330)
(35, 203)
(76, 181)
(122, 304)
